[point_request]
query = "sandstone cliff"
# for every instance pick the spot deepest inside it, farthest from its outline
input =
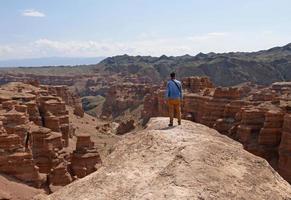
(190, 161)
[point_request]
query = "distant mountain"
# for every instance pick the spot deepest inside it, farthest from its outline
(50, 61)
(225, 69)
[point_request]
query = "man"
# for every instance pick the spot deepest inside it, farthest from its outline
(174, 97)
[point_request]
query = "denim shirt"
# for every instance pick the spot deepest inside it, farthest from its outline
(173, 92)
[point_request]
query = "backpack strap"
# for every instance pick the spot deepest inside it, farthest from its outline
(177, 86)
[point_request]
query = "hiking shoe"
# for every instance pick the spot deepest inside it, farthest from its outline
(170, 124)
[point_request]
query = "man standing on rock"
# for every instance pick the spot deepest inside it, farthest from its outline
(174, 97)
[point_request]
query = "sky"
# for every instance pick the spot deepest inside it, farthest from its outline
(92, 28)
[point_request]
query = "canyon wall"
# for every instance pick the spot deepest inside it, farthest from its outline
(43, 79)
(121, 97)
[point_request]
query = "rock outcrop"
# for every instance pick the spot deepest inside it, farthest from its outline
(285, 149)
(125, 127)
(15, 161)
(190, 161)
(13, 129)
(85, 159)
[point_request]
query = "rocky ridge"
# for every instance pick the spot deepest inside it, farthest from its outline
(190, 161)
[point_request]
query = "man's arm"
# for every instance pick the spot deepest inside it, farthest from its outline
(167, 94)
(181, 93)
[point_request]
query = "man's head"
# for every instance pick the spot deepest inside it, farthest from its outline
(173, 75)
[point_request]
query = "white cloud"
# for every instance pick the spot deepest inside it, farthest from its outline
(207, 36)
(147, 45)
(218, 34)
(148, 35)
(155, 47)
(32, 13)
(5, 49)
(80, 48)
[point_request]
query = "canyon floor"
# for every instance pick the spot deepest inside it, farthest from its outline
(102, 132)
(11, 188)
(190, 161)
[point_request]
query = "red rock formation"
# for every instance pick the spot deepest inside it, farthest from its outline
(122, 97)
(125, 127)
(59, 176)
(34, 134)
(284, 164)
(282, 87)
(196, 84)
(43, 79)
(55, 116)
(15, 161)
(270, 134)
(78, 110)
(85, 158)
(45, 147)
(252, 121)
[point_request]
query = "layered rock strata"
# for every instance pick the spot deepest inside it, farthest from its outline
(15, 161)
(35, 133)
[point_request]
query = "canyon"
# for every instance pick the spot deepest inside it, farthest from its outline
(67, 126)
(65, 144)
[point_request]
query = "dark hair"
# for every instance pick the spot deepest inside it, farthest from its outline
(173, 75)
